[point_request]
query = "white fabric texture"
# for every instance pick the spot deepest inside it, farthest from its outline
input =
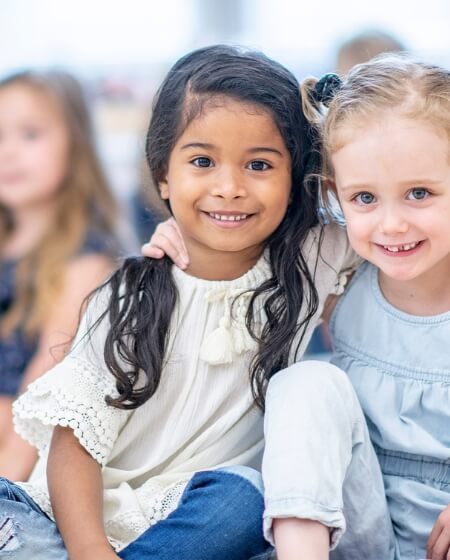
(202, 415)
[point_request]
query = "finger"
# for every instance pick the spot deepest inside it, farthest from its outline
(166, 236)
(149, 250)
(184, 250)
(435, 533)
(441, 546)
(167, 247)
(171, 230)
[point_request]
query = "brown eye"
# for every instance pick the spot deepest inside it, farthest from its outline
(258, 165)
(202, 162)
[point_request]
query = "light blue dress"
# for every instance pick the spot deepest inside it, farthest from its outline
(399, 365)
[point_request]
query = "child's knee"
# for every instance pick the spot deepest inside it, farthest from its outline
(309, 379)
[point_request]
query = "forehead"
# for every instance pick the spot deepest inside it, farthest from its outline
(19, 100)
(392, 145)
(224, 117)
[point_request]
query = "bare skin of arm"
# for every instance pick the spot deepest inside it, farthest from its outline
(301, 539)
(17, 457)
(76, 493)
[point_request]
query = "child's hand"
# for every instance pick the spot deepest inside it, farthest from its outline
(438, 546)
(167, 240)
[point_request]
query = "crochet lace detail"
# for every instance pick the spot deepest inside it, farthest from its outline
(71, 395)
(157, 503)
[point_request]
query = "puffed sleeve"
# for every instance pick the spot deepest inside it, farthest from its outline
(72, 394)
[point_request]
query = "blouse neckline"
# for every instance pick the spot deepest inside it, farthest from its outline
(251, 279)
(403, 315)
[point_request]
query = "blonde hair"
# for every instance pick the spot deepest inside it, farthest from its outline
(83, 201)
(392, 82)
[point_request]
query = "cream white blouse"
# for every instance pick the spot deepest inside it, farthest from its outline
(202, 415)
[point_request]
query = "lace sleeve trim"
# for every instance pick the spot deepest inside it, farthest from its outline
(71, 395)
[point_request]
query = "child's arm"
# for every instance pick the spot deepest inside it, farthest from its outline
(76, 492)
(83, 274)
(301, 539)
(167, 240)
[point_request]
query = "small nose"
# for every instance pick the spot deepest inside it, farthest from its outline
(392, 221)
(229, 184)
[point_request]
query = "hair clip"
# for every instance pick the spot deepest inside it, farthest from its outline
(326, 88)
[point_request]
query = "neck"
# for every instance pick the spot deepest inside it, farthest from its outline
(221, 265)
(30, 226)
(424, 296)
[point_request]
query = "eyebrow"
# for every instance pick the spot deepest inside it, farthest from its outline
(206, 146)
(418, 182)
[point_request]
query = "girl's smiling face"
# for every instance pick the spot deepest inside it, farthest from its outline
(393, 183)
(34, 146)
(228, 184)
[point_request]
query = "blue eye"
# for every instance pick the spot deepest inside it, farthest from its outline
(259, 165)
(364, 198)
(202, 162)
(418, 193)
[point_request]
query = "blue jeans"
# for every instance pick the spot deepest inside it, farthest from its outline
(219, 517)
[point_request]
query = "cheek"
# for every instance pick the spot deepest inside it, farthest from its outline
(358, 229)
(52, 160)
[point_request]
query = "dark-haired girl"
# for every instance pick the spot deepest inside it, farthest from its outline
(150, 429)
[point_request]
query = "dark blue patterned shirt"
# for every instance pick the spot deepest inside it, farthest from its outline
(17, 349)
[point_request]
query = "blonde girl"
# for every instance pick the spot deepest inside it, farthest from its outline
(57, 220)
(386, 138)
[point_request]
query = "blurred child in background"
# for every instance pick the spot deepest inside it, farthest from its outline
(57, 221)
(364, 46)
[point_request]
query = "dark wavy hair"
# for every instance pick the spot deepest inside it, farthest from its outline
(143, 292)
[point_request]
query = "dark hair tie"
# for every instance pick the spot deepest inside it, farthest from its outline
(326, 88)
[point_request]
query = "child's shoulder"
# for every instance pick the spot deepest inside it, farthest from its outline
(330, 242)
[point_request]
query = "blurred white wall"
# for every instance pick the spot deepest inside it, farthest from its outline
(121, 49)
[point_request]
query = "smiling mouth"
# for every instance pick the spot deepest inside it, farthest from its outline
(228, 217)
(405, 248)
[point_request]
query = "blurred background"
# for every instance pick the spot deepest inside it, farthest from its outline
(121, 50)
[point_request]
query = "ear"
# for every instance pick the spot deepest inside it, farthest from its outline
(330, 186)
(163, 187)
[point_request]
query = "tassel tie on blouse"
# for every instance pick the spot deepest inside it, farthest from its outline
(231, 337)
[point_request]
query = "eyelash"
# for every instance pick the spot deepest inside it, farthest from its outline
(196, 161)
(357, 197)
(426, 191)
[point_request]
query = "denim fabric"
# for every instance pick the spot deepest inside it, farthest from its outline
(398, 365)
(219, 517)
(25, 531)
(319, 462)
